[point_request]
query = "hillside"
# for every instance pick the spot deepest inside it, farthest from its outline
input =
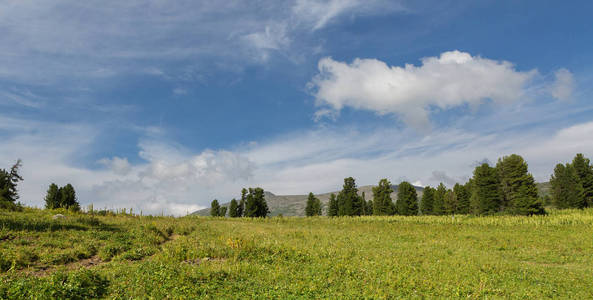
(294, 205)
(90, 256)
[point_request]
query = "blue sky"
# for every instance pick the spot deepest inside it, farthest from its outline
(164, 106)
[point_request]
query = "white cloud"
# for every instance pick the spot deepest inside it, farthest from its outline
(273, 37)
(563, 87)
(81, 40)
(118, 165)
(453, 79)
(318, 13)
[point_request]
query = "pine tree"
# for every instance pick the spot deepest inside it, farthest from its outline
(584, 170)
(450, 203)
(407, 200)
(333, 208)
(517, 186)
(486, 190)
(241, 208)
(53, 197)
(234, 209)
(313, 207)
(462, 195)
(438, 206)
(214, 208)
(567, 191)
(349, 203)
(8, 184)
(426, 203)
(255, 204)
(369, 207)
(68, 198)
(382, 201)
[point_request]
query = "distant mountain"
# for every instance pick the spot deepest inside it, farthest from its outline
(294, 205)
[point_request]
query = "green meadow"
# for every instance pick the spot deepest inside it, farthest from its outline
(127, 257)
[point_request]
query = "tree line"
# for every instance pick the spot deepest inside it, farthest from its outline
(252, 205)
(61, 197)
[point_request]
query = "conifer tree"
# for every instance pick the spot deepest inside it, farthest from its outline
(426, 203)
(53, 197)
(313, 207)
(234, 209)
(349, 203)
(255, 204)
(241, 208)
(68, 198)
(382, 202)
(567, 191)
(518, 190)
(214, 208)
(9, 180)
(584, 170)
(450, 202)
(369, 207)
(407, 200)
(438, 206)
(222, 211)
(462, 195)
(485, 191)
(332, 210)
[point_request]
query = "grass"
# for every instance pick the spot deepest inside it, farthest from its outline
(366, 257)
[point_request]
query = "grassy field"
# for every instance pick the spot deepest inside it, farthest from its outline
(367, 257)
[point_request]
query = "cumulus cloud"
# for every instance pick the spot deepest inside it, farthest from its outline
(453, 79)
(173, 181)
(563, 87)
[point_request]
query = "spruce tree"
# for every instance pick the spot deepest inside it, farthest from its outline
(486, 190)
(241, 208)
(53, 197)
(450, 203)
(382, 202)
(214, 208)
(426, 203)
(407, 200)
(349, 203)
(584, 170)
(313, 207)
(463, 196)
(518, 190)
(369, 207)
(438, 206)
(333, 208)
(9, 180)
(255, 204)
(68, 198)
(234, 209)
(567, 191)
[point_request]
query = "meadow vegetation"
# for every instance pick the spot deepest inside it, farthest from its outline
(126, 256)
